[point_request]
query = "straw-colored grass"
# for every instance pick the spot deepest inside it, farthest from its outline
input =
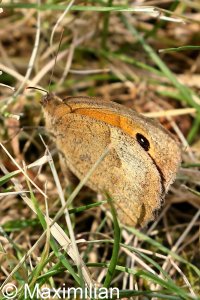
(143, 54)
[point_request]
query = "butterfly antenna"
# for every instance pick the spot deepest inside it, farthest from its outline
(36, 88)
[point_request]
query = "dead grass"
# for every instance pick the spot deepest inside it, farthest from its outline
(100, 55)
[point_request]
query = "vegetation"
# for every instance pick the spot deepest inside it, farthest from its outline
(143, 54)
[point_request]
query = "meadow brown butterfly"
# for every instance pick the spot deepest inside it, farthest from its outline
(140, 166)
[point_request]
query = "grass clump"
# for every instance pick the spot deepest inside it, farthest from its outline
(145, 57)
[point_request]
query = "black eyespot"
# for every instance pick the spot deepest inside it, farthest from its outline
(143, 141)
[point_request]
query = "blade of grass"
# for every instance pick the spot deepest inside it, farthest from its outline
(178, 49)
(85, 207)
(153, 11)
(148, 294)
(194, 130)
(116, 247)
(7, 177)
(106, 26)
(150, 278)
(191, 165)
(18, 225)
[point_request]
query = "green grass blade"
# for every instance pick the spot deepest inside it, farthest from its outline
(86, 207)
(7, 177)
(116, 247)
(178, 49)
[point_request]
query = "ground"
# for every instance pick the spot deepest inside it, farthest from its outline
(142, 54)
